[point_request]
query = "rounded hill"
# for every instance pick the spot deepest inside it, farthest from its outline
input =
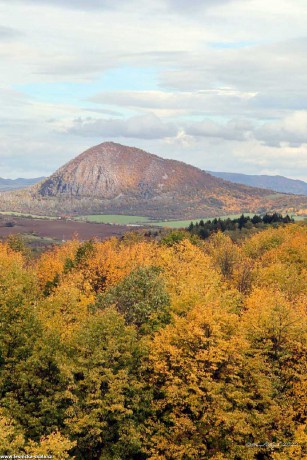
(111, 178)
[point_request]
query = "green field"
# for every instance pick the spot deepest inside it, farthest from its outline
(141, 220)
(186, 223)
(115, 219)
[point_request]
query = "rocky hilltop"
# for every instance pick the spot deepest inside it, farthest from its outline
(112, 171)
(113, 178)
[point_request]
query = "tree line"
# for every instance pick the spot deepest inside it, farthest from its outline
(204, 229)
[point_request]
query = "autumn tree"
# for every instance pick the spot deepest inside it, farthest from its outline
(276, 331)
(111, 399)
(210, 400)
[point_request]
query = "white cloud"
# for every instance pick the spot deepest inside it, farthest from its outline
(291, 130)
(8, 33)
(180, 5)
(146, 126)
(79, 4)
(213, 101)
(239, 130)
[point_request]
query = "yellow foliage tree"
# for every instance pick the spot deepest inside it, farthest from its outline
(11, 436)
(210, 400)
(54, 445)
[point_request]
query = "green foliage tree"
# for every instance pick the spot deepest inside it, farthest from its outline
(17, 244)
(111, 399)
(174, 237)
(141, 298)
(32, 386)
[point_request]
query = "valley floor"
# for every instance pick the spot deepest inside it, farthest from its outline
(57, 230)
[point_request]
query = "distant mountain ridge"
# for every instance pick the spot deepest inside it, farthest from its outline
(277, 183)
(16, 184)
(112, 178)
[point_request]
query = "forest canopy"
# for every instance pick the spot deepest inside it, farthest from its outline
(133, 349)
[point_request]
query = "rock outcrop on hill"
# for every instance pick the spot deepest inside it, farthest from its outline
(111, 170)
(113, 178)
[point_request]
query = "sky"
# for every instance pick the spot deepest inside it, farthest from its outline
(220, 84)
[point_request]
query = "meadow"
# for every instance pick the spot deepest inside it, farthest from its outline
(143, 220)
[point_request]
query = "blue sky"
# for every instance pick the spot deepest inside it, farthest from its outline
(70, 92)
(219, 84)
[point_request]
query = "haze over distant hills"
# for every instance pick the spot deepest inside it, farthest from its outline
(16, 184)
(113, 178)
(276, 183)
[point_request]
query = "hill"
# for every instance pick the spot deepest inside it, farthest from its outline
(276, 183)
(16, 184)
(113, 178)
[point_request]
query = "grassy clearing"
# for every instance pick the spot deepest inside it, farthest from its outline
(141, 220)
(186, 223)
(115, 219)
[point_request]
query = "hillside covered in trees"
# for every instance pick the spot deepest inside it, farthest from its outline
(133, 350)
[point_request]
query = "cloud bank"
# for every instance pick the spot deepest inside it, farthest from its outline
(206, 82)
